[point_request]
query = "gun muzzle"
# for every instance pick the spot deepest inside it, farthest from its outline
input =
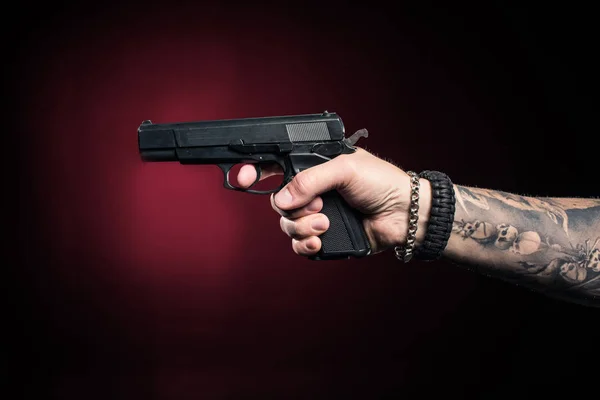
(156, 144)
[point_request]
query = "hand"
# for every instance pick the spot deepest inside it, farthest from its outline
(377, 188)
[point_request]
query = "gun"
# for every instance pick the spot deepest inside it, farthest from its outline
(295, 143)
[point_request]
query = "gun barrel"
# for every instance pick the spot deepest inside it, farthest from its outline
(159, 155)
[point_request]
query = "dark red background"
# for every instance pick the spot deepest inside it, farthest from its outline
(153, 281)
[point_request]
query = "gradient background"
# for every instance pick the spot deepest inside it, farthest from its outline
(154, 282)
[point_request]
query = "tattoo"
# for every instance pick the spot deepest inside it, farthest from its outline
(548, 244)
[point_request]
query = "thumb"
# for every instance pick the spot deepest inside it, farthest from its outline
(311, 182)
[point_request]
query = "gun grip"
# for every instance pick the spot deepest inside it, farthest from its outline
(346, 235)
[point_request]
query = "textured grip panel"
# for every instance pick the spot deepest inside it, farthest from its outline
(346, 236)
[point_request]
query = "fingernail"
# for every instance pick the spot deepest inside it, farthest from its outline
(319, 224)
(311, 245)
(283, 198)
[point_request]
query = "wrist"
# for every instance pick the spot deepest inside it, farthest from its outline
(431, 214)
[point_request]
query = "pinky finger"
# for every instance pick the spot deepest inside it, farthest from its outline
(306, 247)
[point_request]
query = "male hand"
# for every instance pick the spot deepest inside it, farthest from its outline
(375, 187)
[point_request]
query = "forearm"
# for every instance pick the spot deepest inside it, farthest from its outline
(546, 244)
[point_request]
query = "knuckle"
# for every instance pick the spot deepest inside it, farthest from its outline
(296, 246)
(287, 226)
(277, 209)
(343, 160)
(348, 164)
(282, 224)
(299, 228)
(303, 228)
(315, 205)
(303, 249)
(303, 182)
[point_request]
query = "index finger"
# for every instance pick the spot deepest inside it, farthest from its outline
(248, 173)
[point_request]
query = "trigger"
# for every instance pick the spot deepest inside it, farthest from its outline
(258, 174)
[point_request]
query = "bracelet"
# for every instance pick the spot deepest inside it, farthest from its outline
(439, 227)
(405, 253)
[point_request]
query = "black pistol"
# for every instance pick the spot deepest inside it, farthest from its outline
(295, 143)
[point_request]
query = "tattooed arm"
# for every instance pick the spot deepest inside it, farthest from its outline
(550, 245)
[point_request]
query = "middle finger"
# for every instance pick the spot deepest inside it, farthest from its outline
(310, 225)
(313, 207)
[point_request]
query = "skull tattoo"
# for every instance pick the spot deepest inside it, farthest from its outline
(507, 234)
